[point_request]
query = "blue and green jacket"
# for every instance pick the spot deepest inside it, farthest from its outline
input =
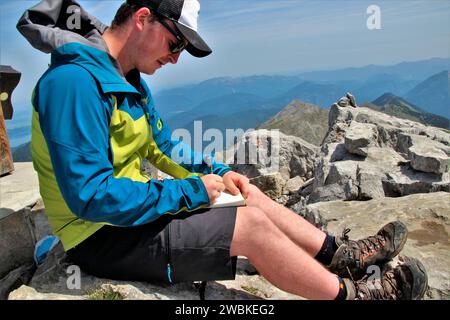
(92, 127)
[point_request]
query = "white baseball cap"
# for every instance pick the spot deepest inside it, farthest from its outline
(184, 14)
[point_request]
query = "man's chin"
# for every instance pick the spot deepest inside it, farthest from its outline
(148, 72)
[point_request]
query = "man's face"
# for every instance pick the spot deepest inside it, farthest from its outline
(153, 47)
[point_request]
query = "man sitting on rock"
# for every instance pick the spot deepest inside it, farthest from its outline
(93, 123)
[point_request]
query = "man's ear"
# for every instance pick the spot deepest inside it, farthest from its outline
(141, 17)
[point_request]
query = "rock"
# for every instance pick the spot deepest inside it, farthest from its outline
(406, 181)
(297, 203)
(22, 218)
(425, 155)
(306, 192)
(347, 101)
(352, 100)
(271, 184)
(348, 191)
(370, 183)
(15, 279)
(262, 152)
(29, 293)
(293, 185)
(359, 137)
(338, 120)
(282, 199)
(52, 278)
(427, 217)
(390, 127)
(16, 242)
(19, 232)
(369, 155)
(38, 221)
(23, 184)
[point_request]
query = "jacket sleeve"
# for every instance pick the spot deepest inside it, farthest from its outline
(74, 120)
(174, 157)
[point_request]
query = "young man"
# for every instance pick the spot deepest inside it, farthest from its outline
(93, 123)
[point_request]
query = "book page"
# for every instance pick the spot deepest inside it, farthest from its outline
(228, 200)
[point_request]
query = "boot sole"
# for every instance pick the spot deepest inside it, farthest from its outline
(399, 227)
(420, 278)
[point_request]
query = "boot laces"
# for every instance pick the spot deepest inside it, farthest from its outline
(368, 246)
(385, 288)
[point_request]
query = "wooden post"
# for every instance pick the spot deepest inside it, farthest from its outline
(6, 160)
(9, 78)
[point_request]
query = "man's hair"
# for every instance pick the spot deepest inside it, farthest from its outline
(125, 12)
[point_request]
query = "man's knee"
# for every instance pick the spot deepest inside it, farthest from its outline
(254, 189)
(253, 218)
(252, 224)
(256, 197)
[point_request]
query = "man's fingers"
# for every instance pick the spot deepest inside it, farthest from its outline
(245, 187)
(214, 196)
(220, 186)
(231, 187)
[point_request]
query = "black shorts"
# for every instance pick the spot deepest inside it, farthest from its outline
(175, 248)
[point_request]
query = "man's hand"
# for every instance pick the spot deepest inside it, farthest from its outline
(214, 186)
(234, 182)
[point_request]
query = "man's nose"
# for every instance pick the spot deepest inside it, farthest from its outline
(173, 57)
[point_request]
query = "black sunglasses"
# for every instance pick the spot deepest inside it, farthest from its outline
(174, 47)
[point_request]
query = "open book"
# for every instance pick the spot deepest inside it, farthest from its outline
(228, 200)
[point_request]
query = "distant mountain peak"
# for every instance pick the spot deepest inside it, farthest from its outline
(401, 108)
(433, 94)
(388, 98)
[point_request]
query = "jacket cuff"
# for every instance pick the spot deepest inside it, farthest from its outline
(194, 188)
(220, 169)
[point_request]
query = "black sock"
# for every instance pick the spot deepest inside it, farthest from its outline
(327, 251)
(342, 294)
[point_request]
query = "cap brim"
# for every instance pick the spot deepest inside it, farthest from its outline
(197, 46)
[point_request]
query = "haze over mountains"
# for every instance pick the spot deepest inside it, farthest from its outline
(248, 102)
(422, 81)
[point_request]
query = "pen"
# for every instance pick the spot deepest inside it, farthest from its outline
(209, 163)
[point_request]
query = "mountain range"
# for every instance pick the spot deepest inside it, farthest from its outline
(247, 102)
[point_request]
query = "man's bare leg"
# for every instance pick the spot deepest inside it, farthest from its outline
(278, 259)
(300, 231)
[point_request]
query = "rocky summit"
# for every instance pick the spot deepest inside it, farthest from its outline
(370, 168)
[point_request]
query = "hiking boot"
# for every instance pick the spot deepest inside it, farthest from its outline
(407, 281)
(352, 258)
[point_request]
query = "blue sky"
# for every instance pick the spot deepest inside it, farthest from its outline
(266, 37)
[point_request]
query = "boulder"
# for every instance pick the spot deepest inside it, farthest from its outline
(14, 279)
(271, 184)
(16, 242)
(425, 155)
(29, 293)
(407, 181)
(359, 137)
(22, 220)
(262, 152)
(369, 155)
(53, 280)
(293, 185)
